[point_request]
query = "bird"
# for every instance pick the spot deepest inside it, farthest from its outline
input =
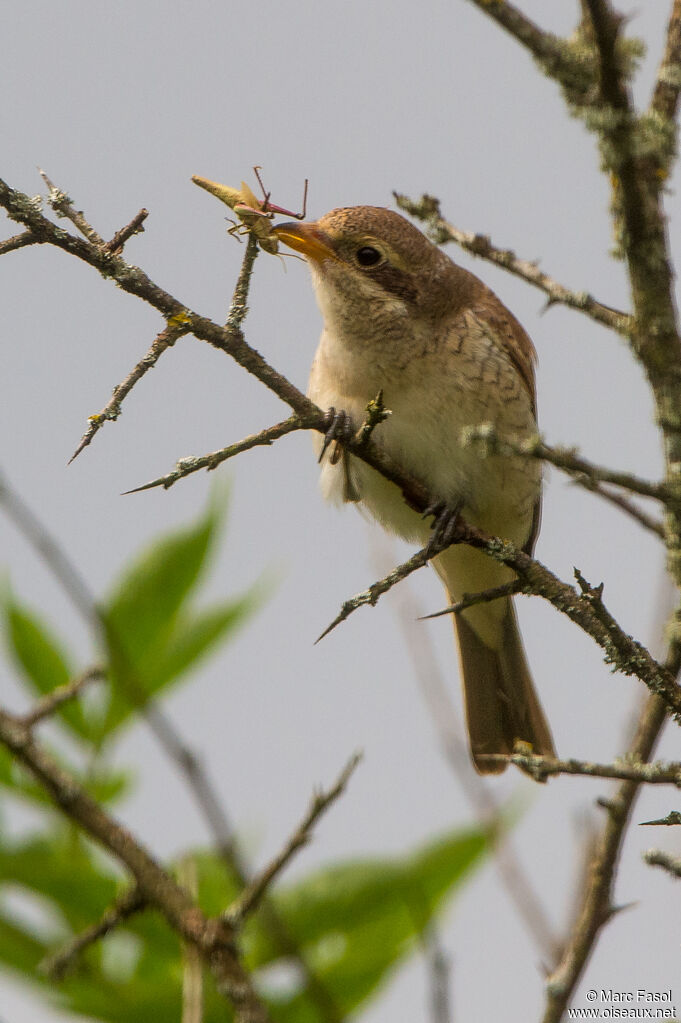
(401, 318)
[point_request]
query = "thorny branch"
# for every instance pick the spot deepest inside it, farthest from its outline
(213, 938)
(126, 905)
(170, 740)
(658, 858)
(321, 801)
(112, 410)
(427, 209)
(636, 151)
(623, 768)
(591, 615)
(48, 704)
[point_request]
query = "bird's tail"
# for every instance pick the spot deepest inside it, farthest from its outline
(501, 703)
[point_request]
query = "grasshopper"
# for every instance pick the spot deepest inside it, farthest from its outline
(255, 215)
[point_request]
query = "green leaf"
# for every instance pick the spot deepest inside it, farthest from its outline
(44, 662)
(59, 866)
(356, 921)
(143, 608)
(195, 637)
(147, 622)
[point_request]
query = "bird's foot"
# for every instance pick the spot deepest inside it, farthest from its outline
(445, 520)
(339, 428)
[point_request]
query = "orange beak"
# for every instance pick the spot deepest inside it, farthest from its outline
(305, 238)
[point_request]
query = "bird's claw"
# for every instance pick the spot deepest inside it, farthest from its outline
(338, 429)
(445, 520)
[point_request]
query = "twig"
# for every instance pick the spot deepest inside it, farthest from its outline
(624, 504)
(177, 326)
(665, 99)
(658, 858)
(239, 305)
(625, 769)
(192, 971)
(213, 938)
(585, 608)
(173, 745)
(376, 413)
(49, 550)
(551, 52)
(672, 818)
(112, 410)
(193, 463)
(380, 587)
(594, 478)
(63, 207)
(83, 600)
(60, 962)
(136, 226)
(620, 649)
(442, 231)
(48, 704)
(471, 599)
(17, 241)
(596, 907)
(439, 969)
(572, 463)
(253, 894)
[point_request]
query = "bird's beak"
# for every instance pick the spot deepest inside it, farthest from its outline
(305, 238)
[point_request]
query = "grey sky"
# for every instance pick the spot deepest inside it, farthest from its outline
(121, 104)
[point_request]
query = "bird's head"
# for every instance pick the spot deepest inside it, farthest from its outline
(369, 264)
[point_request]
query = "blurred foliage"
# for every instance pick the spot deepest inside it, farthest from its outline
(352, 921)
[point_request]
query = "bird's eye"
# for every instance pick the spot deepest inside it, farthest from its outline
(368, 256)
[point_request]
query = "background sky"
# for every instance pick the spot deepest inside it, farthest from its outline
(121, 104)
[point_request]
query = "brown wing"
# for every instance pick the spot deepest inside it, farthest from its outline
(513, 338)
(519, 348)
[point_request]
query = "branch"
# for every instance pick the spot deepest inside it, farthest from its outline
(60, 962)
(673, 818)
(376, 413)
(112, 410)
(574, 465)
(136, 226)
(626, 769)
(624, 504)
(213, 938)
(665, 99)
(48, 704)
(62, 205)
(596, 907)
(17, 241)
(442, 231)
(253, 894)
(172, 744)
(83, 600)
(584, 607)
(192, 967)
(586, 474)
(186, 466)
(658, 858)
(380, 587)
(471, 599)
(551, 52)
(620, 649)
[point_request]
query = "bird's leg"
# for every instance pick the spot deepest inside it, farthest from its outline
(338, 429)
(445, 520)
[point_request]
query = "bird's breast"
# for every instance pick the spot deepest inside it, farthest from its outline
(437, 385)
